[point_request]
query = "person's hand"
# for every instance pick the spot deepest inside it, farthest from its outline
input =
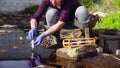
(32, 33)
(39, 39)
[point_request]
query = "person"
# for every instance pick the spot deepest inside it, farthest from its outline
(59, 14)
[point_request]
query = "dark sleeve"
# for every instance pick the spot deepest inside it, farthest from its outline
(65, 13)
(68, 10)
(41, 10)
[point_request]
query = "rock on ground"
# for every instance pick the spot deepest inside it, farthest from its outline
(76, 53)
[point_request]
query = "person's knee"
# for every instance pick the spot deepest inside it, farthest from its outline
(80, 25)
(52, 16)
(51, 12)
(81, 13)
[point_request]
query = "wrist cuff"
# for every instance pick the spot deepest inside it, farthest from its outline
(33, 28)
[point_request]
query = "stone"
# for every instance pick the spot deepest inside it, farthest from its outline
(70, 33)
(10, 6)
(76, 53)
(101, 14)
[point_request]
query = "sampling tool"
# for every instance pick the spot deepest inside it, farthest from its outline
(32, 45)
(35, 59)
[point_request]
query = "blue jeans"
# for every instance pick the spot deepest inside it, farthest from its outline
(81, 14)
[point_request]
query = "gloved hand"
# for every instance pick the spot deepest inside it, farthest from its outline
(32, 33)
(39, 39)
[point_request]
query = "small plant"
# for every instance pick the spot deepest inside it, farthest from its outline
(111, 21)
(30, 9)
(117, 3)
(88, 3)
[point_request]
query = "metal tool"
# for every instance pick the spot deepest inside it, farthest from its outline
(32, 45)
(69, 43)
(34, 57)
